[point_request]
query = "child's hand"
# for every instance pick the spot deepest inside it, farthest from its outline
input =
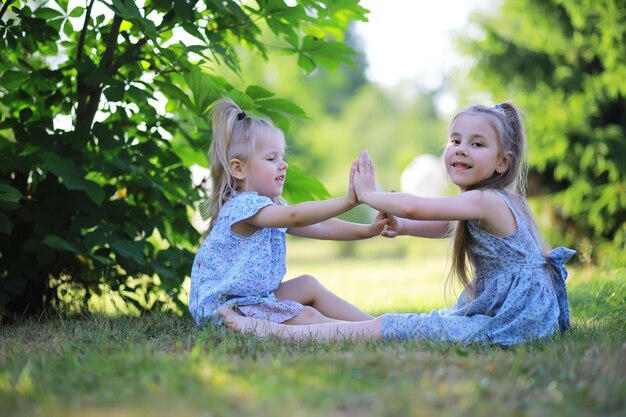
(352, 198)
(364, 179)
(393, 226)
(378, 225)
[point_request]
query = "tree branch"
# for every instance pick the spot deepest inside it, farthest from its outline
(83, 33)
(126, 55)
(5, 6)
(88, 107)
(107, 58)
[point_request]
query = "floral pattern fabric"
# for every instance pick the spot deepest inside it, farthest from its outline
(244, 271)
(517, 298)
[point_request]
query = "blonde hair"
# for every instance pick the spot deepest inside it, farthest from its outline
(235, 135)
(506, 120)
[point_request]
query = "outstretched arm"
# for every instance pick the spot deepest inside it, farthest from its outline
(467, 205)
(336, 229)
(397, 226)
(306, 213)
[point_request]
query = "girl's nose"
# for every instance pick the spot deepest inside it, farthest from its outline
(284, 165)
(460, 150)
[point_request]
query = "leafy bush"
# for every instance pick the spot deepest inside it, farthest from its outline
(95, 187)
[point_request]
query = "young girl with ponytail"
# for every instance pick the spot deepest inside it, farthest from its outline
(241, 262)
(514, 286)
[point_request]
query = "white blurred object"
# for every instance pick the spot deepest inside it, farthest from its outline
(425, 176)
(200, 177)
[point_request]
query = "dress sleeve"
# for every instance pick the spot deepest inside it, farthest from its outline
(558, 258)
(245, 206)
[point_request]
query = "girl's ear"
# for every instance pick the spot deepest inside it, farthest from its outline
(238, 169)
(503, 162)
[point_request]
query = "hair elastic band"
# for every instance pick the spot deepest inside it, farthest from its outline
(241, 116)
(498, 107)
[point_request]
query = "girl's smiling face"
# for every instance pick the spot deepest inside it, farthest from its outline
(266, 169)
(473, 152)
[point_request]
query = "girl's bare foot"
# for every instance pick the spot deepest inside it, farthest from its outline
(370, 329)
(243, 324)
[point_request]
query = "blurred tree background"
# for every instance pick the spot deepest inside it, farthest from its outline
(103, 115)
(564, 62)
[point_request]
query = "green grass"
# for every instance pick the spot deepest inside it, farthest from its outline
(161, 364)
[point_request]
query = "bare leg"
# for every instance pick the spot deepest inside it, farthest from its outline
(307, 290)
(309, 315)
(340, 330)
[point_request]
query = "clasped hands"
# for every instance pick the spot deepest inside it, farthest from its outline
(362, 184)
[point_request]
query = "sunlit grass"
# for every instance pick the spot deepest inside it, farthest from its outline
(162, 364)
(380, 275)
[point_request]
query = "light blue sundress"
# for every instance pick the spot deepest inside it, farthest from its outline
(517, 300)
(244, 271)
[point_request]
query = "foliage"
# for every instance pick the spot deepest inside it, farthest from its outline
(564, 61)
(94, 175)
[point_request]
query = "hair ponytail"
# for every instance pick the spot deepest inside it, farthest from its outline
(223, 115)
(234, 136)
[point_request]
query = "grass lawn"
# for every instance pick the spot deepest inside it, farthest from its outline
(161, 364)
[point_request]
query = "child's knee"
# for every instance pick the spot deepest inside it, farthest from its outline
(310, 282)
(308, 315)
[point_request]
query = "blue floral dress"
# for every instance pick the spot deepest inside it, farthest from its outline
(517, 298)
(245, 271)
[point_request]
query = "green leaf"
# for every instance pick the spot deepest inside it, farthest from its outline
(172, 91)
(8, 193)
(188, 154)
(203, 90)
(129, 249)
(12, 80)
(94, 191)
(281, 105)
(184, 10)
(63, 168)
(279, 120)
(306, 63)
(139, 94)
(256, 92)
(77, 11)
(115, 92)
(68, 28)
(47, 13)
(55, 242)
(5, 224)
(243, 100)
(126, 9)
(327, 54)
(129, 11)
(301, 187)
(66, 170)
